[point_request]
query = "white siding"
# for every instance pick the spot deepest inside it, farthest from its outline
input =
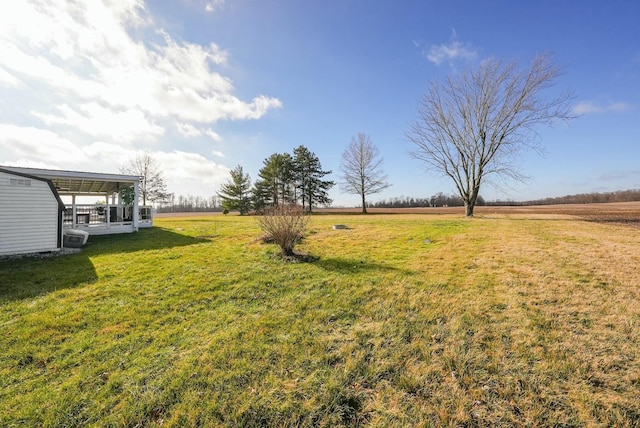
(28, 215)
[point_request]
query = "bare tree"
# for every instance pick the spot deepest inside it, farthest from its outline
(475, 124)
(361, 167)
(152, 185)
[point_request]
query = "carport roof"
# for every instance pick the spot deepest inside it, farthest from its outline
(81, 183)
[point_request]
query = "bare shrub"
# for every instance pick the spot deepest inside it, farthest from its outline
(284, 225)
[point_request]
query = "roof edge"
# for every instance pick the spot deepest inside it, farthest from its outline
(59, 173)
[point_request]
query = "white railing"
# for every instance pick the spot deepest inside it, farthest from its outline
(145, 216)
(101, 215)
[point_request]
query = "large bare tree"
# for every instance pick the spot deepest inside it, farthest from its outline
(152, 185)
(361, 168)
(473, 126)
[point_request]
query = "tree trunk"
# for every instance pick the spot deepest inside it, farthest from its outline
(364, 205)
(468, 209)
(472, 200)
(288, 252)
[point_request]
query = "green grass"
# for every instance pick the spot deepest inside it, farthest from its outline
(404, 320)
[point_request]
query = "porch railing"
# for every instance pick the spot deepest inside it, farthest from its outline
(96, 215)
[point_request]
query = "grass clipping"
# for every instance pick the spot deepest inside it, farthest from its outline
(284, 225)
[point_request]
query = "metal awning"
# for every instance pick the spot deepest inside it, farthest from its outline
(81, 183)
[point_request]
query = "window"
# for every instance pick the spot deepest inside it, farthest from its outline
(23, 182)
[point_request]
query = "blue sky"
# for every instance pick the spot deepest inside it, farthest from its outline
(206, 85)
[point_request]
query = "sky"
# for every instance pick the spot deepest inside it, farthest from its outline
(205, 85)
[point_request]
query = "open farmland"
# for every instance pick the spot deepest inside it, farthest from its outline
(518, 317)
(626, 212)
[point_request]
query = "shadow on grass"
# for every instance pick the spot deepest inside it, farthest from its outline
(354, 265)
(29, 277)
(154, 238)
(22, 278)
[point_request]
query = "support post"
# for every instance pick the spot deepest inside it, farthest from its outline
(136, 207)
(74, 211)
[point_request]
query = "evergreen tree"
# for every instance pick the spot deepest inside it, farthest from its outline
(275, 185)
(260, 196)
(235, 193)
(311, 189)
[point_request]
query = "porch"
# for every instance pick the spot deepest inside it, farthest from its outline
(103, 219)
(108, 214)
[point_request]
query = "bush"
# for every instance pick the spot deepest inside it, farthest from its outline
(284, 225)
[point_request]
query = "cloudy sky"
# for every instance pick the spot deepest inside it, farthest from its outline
(205, 85)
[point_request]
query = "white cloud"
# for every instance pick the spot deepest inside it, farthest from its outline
(455, 50)
(191, 171)
(28, 163)
(190, 131)
(24, 66)
(124, 126)
(93, 82)
(187, 130)
(7, 78)
(85, 49)
(213, 5)
(39, 144)
(185, 173)
(109, 156)
(588, 107)
(213, 135)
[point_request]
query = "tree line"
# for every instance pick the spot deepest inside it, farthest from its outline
(438, 200)
(443, 200)
(631, 195)
(189, 203)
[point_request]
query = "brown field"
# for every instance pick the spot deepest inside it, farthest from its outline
(619, 212)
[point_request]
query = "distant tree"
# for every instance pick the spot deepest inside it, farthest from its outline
(152, 185)
(473, 126)
(275, 183)
(235, 193)
(308, 175)
(361, 167)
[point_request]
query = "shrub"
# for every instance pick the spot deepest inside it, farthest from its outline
(284, 225)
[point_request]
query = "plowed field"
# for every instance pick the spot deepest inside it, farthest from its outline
(619, 212)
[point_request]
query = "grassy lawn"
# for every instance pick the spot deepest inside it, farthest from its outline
(404, 320)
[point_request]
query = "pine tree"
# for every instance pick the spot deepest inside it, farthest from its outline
(275, 185)
(311, 189)
(235, 193)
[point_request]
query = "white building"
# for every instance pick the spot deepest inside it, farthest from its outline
(31, 214)
(22, 203)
